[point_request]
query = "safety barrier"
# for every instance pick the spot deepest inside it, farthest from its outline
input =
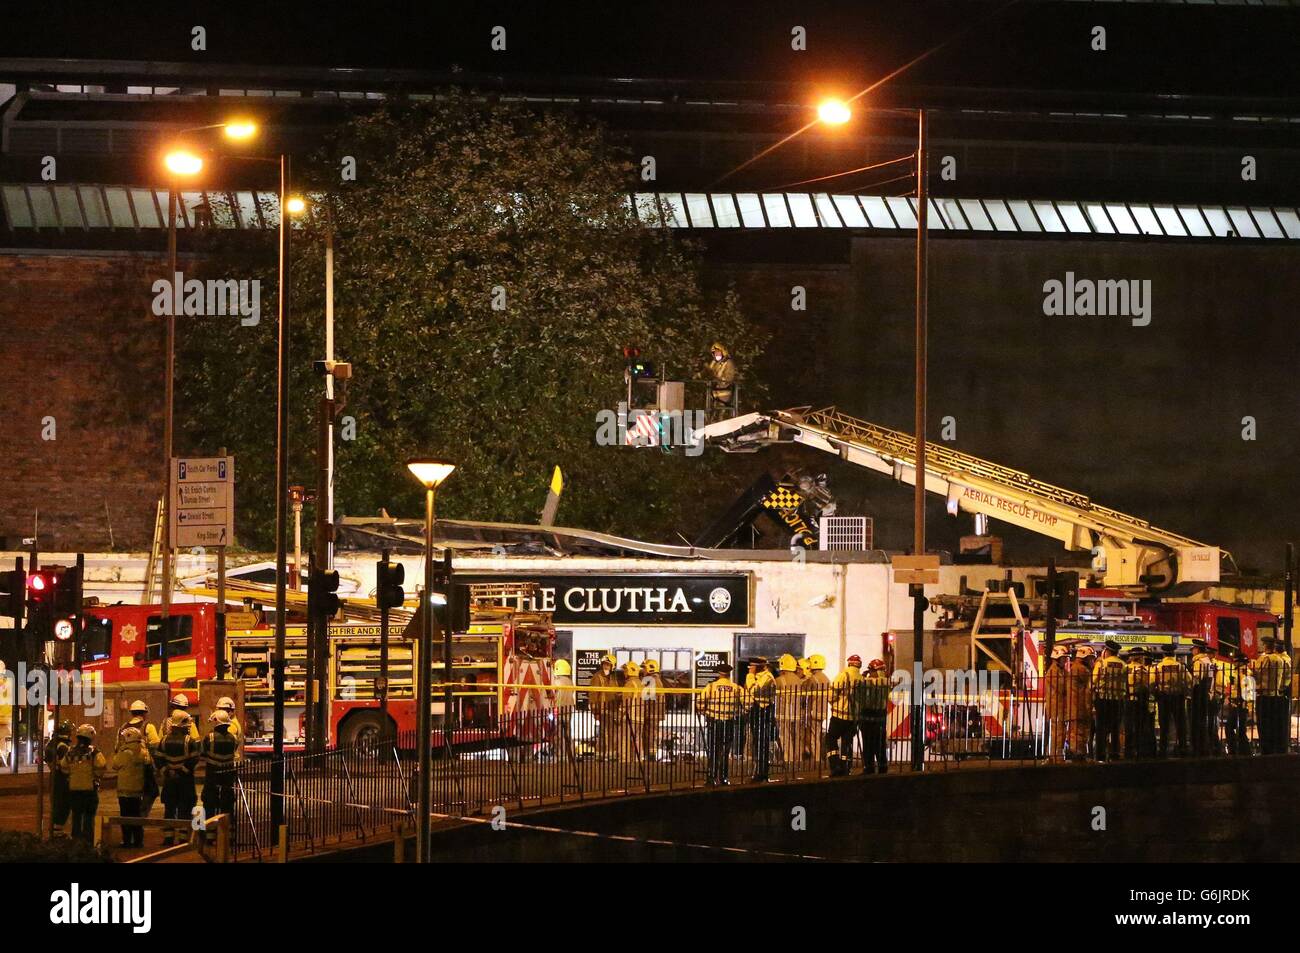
(590, 743)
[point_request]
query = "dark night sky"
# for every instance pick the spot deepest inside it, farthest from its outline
(1243, 52)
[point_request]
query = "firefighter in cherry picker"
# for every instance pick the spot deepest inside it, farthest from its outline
(839, 736)
(1109, 690)
(721, 371)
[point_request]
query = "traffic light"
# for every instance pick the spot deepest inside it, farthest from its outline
(13, 593)
(1067, 595)
(388, 585)
(322, 593)
(42, 587)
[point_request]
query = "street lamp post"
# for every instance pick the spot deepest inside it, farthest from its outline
(919, 602)
(178, 162)
(431, 473)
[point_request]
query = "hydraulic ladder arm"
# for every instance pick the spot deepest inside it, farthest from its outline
(1129, 551)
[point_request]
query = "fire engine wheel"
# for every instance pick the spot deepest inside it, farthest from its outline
(364, 729)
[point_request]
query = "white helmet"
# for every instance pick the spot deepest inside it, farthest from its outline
(86, 731)
(138, 707)
(225, 703)
(181, 700)
(220, 717)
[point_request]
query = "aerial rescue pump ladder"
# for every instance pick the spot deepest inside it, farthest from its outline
(1127, 551)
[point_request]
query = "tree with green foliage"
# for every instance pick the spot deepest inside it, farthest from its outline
(489, 269)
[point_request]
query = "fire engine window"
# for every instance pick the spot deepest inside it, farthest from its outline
(98, 640)
(181, 626)
(1229, 634)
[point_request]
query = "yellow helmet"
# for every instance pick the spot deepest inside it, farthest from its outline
(610, 659)
(651, 667)
(562, 667)
(631, 670)
(788, 663)
(816, 662)
(803, 665)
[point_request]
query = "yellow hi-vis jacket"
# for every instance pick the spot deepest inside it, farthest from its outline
(1204, 675)
(818, 688)
(1272, 672)
(761, 687)
(147, 731)
(84, 766)
(842, 693)
(1109, 679)
(722, 699)
(1169, 676)
(1139, 681)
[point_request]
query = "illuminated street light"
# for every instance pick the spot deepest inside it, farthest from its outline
(296, 205)
(430, 472)
(183, 162)
(834, 112)
(240, 129)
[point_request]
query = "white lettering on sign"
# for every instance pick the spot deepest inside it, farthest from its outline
(630, 599)
(1018, 509)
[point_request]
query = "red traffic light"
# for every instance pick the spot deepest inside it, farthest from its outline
(36, 582)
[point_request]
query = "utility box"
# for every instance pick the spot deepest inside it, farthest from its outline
(115, 710)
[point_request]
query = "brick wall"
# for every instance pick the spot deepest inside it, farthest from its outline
(80, 346)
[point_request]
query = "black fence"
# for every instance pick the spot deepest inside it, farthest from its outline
(627, 741)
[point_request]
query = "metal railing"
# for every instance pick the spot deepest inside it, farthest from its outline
(600, 743)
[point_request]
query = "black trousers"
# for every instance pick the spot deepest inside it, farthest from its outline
(763, 724)
(1212, 709)
(60, 805)
(721, 732)
(1273, 715)
(1198, 718)
(1235, 717)
(1173, 717)
(132, 835)
(874, 759)
(839, 744)
(84, 805)
(1107, 727)
(1139, 729)
(179, 798)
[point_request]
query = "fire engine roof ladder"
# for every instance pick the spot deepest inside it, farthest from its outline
(1129, 551)
(153, 568)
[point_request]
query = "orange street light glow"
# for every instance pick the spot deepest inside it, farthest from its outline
(240, 129)
(295, 205)
(182, 162)
(833, 112)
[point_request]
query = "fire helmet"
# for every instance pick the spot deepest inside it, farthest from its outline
(854, 661)
(180, 700)
(876, 664)
(138, 707)
(562, 667)
(651, 667)
(609, 660)
(220, 717)
(816, 662)
(631, 670)
(788, 663)
(226, 703)
(130, 736)
(86, 731)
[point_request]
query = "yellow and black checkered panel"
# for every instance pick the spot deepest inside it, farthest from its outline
(782, 498)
